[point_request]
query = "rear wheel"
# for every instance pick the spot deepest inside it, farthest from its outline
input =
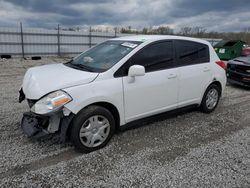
(210, 99)
(92, 129)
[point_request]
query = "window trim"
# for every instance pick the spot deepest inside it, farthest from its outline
(119, 73)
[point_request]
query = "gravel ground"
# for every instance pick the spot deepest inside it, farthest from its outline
(190, 149)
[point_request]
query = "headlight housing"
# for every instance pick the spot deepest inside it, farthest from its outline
(51, 102)
(248, 71)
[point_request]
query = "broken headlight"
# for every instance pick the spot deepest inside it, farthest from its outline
(51, 102)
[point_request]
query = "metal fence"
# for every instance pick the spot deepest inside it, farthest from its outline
(24, 42)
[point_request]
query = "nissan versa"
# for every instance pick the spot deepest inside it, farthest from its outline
(117, 82)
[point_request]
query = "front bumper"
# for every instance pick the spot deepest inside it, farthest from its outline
(21, 95)
(34, 125)
(238, 78)
(241, 83)
(39, 127)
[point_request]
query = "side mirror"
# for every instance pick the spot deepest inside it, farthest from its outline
(136, 70)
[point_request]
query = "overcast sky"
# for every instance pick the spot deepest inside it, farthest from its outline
(214, 15)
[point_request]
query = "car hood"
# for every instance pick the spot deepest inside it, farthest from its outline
(38, 81)
(241, 61)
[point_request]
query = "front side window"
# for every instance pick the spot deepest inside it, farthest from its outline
(189, 52)
(103, 56)
(155, 57)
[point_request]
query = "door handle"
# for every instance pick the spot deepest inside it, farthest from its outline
(206, 69)
(171, 76)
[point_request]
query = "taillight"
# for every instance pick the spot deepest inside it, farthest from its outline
(222, 64)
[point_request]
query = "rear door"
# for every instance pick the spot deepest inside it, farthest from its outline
(194, 70)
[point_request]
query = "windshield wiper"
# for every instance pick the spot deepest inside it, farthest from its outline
(84, 67)
(79, 66)
(70, 61)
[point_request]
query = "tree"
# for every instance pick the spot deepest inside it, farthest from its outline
(145, 30)
(246, 30)
(162, 30)
(198, 31)
(186, 31)
(124, 30)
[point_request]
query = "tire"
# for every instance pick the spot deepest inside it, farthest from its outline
(208, 104)
(92, 129)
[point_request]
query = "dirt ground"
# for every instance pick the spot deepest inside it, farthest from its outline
(190, 149)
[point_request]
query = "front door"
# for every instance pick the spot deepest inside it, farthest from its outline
(157, 90)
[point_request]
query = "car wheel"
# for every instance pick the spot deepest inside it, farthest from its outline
(92, 129)
(210, 99)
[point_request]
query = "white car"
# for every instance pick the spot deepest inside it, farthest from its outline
(117, 82)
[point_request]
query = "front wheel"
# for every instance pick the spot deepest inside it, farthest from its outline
(210, 99)
(92, 129)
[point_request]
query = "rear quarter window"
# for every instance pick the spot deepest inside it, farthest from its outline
(189, 53)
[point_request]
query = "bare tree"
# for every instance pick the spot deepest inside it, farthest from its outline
(198, 31)
(162, 30)
(247, 30)
(145, 30)
(186, 31)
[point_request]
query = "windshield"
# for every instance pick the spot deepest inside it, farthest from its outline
(103, 56)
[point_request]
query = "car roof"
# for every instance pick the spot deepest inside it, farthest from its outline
(151, 38)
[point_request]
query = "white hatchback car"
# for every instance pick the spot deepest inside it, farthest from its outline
(117, 82)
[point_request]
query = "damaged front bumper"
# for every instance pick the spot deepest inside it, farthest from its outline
(40, 127)
(33, 124)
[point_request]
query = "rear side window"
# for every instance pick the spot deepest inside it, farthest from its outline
(189, 52)
(155, 57)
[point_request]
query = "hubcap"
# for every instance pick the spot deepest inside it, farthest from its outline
(94, 131)
(212, 98)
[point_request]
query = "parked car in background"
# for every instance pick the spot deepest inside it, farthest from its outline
(238, 71)
(230, 49)
(117, 82)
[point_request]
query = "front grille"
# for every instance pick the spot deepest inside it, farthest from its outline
(234, 76)
(31, 102)
(238, 68)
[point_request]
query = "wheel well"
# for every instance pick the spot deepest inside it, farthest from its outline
(217, 83)
(112, 109)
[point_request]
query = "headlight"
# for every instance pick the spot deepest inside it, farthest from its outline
(248, 71)
(51, 102)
